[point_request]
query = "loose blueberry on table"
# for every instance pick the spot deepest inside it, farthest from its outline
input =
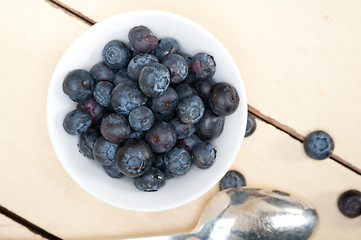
(349, 203)
(232, 179)
(146, 109)
(251, 125)
(318, 145)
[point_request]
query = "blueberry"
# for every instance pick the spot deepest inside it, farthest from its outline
(94, 108)
(166, 46)
(113, 171)
(101, 72)
(136, 65)
(127, 96)
(177, 66)
(141, 118)
(134, 158)
(164, 116)
(136, 134)
(77, 121)
(203, 88)
(251, 125)
(161, 137)
(182, 130)
(102, 92)
(203, 155)
(104, 151)
(116, 54)
(203, 66)
(189, 142)
(151, 181)
(190, 109)
(349, 203)
(223, 99)
(154, 79)
(115, 128)
(86, 142)
(78, 85)
(185, 90)
(177, 161)
(165, 104)
(142, 39)
(188, 59)
(318, 145)
(232, 179)
(121, 76)
(210, 126)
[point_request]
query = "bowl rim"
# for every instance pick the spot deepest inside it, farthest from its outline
(242, 107)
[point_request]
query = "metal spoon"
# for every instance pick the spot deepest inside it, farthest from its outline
(250, 214)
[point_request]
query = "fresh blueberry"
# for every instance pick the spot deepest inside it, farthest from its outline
(166, 46)
(161, 137)
(210, 126)
(115, 128)
(165, 104)
(141, 118)
(349, 203)
(185, 90)
(134, 158)
(188, 59)
(104, 151)
(94, 108)
(223, 99)
(78, 85)
(77, 121)
(151, 181)
(318, 145)
(142, 39)
(203, 66)
(189, 142)
(154, 79)
(113, 171)
(101, 72)
(102, 92)
(203, 155)
(190, 109)
(116, 54)
(121, 76)
(127, 96)
(177, 161)
(232, 179)
(177, 66)
(86, 142)
(136, 65)
(136, 135)
(251, 125)
(182, 130)
(203, 88)
(164, 116)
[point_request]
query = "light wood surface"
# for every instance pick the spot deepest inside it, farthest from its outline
(300, 60)
(11, 230)
(281, 49)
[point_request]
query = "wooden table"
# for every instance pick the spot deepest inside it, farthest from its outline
(301, 63)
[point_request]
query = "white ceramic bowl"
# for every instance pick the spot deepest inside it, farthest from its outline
(86, 51)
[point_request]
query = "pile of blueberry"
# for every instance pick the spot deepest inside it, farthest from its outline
(148, 111)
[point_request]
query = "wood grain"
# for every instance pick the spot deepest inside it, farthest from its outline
(35, 186)
(299, 59)
(10, 230)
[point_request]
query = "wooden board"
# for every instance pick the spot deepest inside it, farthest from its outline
(35, 186)
(10, 230)
(300, 59)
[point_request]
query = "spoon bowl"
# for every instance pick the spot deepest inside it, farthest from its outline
(250, 214)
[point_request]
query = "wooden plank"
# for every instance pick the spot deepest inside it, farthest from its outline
(299, 59)
(11, 230)
(35, 185)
